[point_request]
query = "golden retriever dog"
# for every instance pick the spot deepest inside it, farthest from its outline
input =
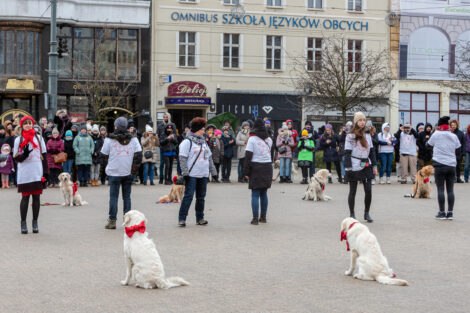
(143, 262)
(367, 260)
(316, 188)
(422, 185)
(176, 193)
(71, 196)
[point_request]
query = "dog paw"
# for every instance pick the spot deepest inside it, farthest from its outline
(124, 282)
(347, 273)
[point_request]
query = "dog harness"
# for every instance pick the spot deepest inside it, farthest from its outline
(344, 235)
(74, 188)
(132, 229)
(321, 185)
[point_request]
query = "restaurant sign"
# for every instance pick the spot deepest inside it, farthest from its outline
(187, 89)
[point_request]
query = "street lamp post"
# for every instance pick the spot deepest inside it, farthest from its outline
(53, 55)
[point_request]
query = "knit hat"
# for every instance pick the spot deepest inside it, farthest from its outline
(103, 128)
(444, 120)
(6, 146)
(369, 123)
(358, 116)
(197, 124)
(88, 127)
(217, 132)
(95, 128)
(55, 131)
(26, 118)
(328, 126)
(259, 123)
(267, 122)
(308, 123)
(289, 122)
(211, 126)
(305, 133)
(120, 124)
(245, 123)
(349, 123)
(83, 126)
(68, 133)
(421, 126)
(284, 127)
(148, 129)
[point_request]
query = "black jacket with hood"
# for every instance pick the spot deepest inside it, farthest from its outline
(424, 150)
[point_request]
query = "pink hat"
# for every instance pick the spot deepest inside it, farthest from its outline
(217, 132)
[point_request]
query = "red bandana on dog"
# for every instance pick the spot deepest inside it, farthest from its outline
(344, 235)
(132, 229)
(426, 180)
(74, 188)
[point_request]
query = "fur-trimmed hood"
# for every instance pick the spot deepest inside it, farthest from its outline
(124, 138)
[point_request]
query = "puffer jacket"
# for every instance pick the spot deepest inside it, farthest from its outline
(98, 141)
(285, 141)
(331, 149)
(228, 147)
(241, 141)
(217, 148)
(54, 146)
(167, 144)
(149, 144)
(84, 148)
(460, 152)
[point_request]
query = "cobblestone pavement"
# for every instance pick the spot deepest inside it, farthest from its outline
(294, 263)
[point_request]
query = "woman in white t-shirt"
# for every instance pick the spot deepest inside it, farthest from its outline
(258, 169)
(196, 165)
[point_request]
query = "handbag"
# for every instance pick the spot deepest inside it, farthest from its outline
(60, 157)
(148, 154)
(282, 150)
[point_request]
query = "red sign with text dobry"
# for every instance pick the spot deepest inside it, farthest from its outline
(187, 89)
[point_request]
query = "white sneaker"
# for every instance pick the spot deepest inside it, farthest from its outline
(381, 181)
(373, 181)
(388, 180)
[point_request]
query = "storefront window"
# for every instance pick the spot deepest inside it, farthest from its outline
(460, 109)
(128, 54)
(416, 107)
(83, 53)
(19, 52)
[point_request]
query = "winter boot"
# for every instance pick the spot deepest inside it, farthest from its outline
(282, 180)
(111, 225)
(340, 180)
(262, 218)
(24, 228)
(161, 180)
(240, 179)
(367, 217)
(289, 180)
(304, 181)
(330, 181)
(351, 214)
(35, 226)
(254, 221)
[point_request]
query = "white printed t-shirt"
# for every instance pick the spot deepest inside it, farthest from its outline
(201, 167)
(445, 143)
(358, 151)
(261, 149)
(120, 156)
(30, 170)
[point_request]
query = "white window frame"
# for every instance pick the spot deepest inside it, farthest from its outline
(363, 42)
(189, 1)
(363, 9)
(240, 51)
(307, 49)
(282, 54)
(196, 50)
(323, 6)
(231, 2)
(283, 4)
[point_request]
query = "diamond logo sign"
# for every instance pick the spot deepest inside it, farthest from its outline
(267, 109)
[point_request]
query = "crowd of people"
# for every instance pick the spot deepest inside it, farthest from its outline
(91, 155)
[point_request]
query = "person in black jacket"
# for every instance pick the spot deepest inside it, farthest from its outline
(63, 122)
(229, 142)
(96, 157)
(168, 143)
(424, 150)
(460, 152)
(330, 145)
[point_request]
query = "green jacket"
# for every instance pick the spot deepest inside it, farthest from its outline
(84, 149)
(306, 148)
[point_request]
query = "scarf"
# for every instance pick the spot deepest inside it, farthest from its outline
(28, 137)
(195, 138)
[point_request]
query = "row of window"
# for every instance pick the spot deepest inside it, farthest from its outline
(274, 46)
(352, 5)
(19, 52)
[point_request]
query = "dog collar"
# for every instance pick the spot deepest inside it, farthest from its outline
(74, 188)
(344, 235)
(321, 185)
(425, 180)
(132, 229)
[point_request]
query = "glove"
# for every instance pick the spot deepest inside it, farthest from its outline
(27, 152)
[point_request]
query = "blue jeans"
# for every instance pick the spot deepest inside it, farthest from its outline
(257, 196)
(312, 167)
(240, 167)
(83, 172)
(386, 160)
(467, 165)
(198, 185)
(114, 183)
(148, 171)
(67, 166)
(341, 163)
(285, 167)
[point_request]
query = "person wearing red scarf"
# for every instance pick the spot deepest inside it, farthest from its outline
(29, 152)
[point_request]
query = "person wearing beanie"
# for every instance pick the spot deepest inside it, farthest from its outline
(241, 141)
(217, 148)
(124, 156)
(161, 127)
(54, 146)
(285, 144)
(229, 142)
(330, 144)
(168, 144)
(444, 143)
(97, 158)
(6, 165)
(30, 154)
(312, 135)
(424, 150)
(258, 170)
(150, 144)
(360, 164)
(407, 136)
(386, 142)
(68, 149)
(454, 127)
(306, 147)
(196, 167)
(89, 128)
(84, 148)
(47, 134)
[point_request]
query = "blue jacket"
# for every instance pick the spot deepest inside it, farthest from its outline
(228, 147)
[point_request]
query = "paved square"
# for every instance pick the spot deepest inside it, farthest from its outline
(295, 263)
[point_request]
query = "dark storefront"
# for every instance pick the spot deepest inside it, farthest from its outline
(277, 107)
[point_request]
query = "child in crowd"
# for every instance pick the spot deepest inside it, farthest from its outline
(68, 148)
(217, 148)
(228, 142)
(306, 147)
(6, 165)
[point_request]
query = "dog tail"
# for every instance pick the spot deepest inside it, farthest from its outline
(391, 281)
(175, 282)
(164, 199)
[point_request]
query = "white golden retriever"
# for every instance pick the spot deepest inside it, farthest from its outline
(66, 187)
(316, 188)
(367, 260)
(142, 259)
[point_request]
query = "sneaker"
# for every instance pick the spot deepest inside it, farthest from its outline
(373, 181)
(381, 181)
(182, 224)
(440, 216)
(403, 182)
(111, 225)
(450, 215)
(202, 222)
(388, 180)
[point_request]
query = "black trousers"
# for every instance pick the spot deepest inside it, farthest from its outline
(445, 176)
(226, 168)
(217, 168)
(458, 169)
(337, 166)
(367, 183)
(168, 166)
(305, 171)
(24, 207)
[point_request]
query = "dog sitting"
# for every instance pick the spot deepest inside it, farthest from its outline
(422, 185)
(143, 262)
(69, 191)
(176, 193)
(367, 260)
(316, 188)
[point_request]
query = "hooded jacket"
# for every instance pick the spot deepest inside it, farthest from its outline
(460, 151)
(385, 138)
(84, 148)
(424, 150)
(242, 139)
(162, 126)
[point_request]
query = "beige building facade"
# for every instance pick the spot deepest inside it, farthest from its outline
(206, 60)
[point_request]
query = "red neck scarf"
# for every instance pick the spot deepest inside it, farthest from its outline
(132, 229)
(344, 235)
(74, 188)
(28, 137)
(444, 127)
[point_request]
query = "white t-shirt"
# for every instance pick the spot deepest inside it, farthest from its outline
(201, 167)
(30, 170)
(261, 149)
(120, 157)
(444, 143)
(358, 151)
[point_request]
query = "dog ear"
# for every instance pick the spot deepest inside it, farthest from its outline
(127, 219)
(344, 224)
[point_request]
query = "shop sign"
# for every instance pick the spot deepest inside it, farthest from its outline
(81, 117)
(267, 109)
(20, 84)
(187, 89)
(197, 101)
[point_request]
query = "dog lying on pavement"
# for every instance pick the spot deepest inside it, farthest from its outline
(176, 193)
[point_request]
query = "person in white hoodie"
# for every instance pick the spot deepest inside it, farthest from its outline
(406, 135)
(386, 147)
